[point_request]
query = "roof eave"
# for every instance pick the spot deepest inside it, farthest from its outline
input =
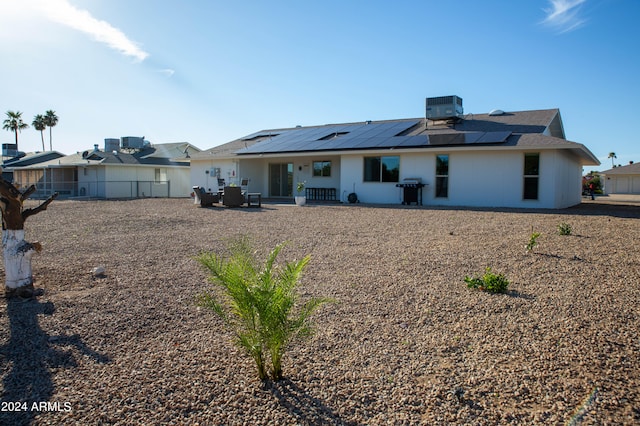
(580, 150)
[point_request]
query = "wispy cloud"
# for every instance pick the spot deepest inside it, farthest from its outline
(564, 15)
(63, 12)
(167, 72)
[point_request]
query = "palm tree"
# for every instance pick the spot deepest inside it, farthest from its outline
(51, 119)
(40, 125)
(14, 123)
(612, 155)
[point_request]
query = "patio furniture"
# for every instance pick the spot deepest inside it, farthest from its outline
(232, 196)
(244, 185)
(206, 198)
(254, 195)
(321, 194)
(221, 186)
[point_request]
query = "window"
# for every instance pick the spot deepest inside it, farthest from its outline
(531, 176)
(381, 169)
(161, 175)
(442, 176)
(322, 168)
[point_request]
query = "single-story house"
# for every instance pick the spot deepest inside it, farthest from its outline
(147, 171)
(499, 159)
(622, 179)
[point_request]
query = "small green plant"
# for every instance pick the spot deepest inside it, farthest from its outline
(533, 241)
(259, 303)
(300, 186)
(493, 283)
(564, 229)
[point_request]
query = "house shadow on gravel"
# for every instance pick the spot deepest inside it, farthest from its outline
(584, 209)
(307, 409)
(26, 360)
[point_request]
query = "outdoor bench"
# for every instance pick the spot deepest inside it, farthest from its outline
(321, 194)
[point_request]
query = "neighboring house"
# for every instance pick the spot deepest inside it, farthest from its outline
(622, 179)
(501, 159)
(27, 160)
(149, 171)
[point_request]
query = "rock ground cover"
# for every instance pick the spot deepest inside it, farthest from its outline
(406, 343)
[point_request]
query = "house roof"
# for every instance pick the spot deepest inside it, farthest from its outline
(31, 158)
(535, 121)
(537, 129)
(143, 157)
(629, 169)
(175, 150)
(225, 149)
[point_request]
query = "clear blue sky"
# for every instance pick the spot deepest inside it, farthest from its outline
(208, 72)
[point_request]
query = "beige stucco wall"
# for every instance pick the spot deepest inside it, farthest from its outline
(476, 179)
(257, 171)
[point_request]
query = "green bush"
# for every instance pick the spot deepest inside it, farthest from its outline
(258, 302)
(564, 229)
(493, 283)
(533, 241)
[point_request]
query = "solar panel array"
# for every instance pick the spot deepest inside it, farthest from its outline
(468, 138)
(360, 136)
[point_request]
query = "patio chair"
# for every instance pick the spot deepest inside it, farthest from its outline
(244, 185)
(221, 185)
(206, 198)
(233, 196)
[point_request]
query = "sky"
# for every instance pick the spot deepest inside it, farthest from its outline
(208, 72)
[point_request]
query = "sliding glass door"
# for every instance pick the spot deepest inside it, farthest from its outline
(281, 180)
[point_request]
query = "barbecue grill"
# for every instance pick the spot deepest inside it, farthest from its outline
(411, 191)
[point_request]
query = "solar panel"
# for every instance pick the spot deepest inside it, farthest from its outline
(261, 134)
(366, 142)
(315, 134)
(346, 136)
(383, 142)
(408, 141)
(468, 138)
(369, 131)
(472, 137)
(494, 137)
(447, 139)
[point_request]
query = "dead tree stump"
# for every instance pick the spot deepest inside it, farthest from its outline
(16, 251)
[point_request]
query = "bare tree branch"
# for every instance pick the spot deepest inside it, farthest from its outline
(27, 192)
(30, 212)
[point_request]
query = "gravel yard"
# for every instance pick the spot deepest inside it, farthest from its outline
(406, 343)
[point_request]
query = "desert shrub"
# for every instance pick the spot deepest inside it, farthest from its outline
(533, 241)
(258, 302)
(564, 229)
(493, 283)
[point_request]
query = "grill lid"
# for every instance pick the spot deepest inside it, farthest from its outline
(411, 183)
(412, 180)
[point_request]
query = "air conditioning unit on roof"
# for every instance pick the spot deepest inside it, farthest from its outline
(111, 144)
(134, 142)
(444, 107)
(9, 150)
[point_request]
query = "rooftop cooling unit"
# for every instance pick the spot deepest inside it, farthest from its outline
(134, 142)
(111, 144)
(10, 150)
(444, 107)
